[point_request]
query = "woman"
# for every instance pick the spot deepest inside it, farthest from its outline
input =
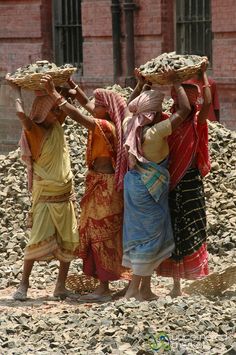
(102, 204)
(147, 234)
(54, 232)
(186, 199)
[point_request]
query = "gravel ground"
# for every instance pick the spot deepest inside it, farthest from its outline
(195, 324)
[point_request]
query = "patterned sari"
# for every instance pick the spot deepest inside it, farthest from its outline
(101, 216)
(147, 233)
(188, 146)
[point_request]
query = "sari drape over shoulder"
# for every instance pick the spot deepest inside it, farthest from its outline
(189, 162)
(147, 233)
(54, 232)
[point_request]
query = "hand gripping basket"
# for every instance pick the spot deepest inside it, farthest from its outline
(31, 80)
(182, 74)
(214, 284)
(81, 283)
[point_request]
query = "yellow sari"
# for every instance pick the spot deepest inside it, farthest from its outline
(54, 231)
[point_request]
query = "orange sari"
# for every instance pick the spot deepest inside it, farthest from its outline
(101, 217)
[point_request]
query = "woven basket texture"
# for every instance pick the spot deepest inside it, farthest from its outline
(32, 81)
(214, 284)
(81, 283)
(182, 74)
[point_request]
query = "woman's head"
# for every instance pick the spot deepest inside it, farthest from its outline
(192, 91)
(42, 105)
(108, 104)
(112, 104)
(147, 101)
(44, 111)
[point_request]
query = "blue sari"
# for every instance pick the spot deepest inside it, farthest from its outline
(147, 232)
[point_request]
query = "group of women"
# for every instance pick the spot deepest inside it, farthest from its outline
(143, 208)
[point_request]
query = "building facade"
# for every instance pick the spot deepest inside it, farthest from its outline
(107, 39)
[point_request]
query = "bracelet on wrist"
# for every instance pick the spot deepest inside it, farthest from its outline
(59, 100)
(18, 100)
(63, 103)
(206, 86)
(76, 87)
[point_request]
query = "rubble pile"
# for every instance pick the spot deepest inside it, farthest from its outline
(195, 324)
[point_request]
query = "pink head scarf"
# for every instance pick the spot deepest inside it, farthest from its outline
(144, 108)
(115, 106)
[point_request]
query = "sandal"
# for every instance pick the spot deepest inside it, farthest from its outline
(20, 295)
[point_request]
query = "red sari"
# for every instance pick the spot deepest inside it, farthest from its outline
(101, 217)
(188, 145)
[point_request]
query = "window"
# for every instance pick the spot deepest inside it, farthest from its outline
(193, 27)
(67, 32)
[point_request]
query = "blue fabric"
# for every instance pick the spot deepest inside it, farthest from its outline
(147, 232)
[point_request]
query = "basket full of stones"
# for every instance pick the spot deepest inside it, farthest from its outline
(185, 67)
(29, 76)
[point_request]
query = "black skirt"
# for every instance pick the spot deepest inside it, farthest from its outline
(188, 214)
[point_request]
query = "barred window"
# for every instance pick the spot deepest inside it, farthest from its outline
(67, 32)
(193, 27)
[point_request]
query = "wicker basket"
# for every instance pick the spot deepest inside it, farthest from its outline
(182, 74)
(214, 284)
(32, 81)
(81, 283)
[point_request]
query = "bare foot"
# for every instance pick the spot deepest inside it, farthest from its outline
(63, 293)
(120, 293)
(148, 295)
(176, 292)
(132, 294)
(101, 290)
(21, 293)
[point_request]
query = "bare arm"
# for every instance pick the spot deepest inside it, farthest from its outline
(183, 109)
(25, 121)
(81, 97)
(65, 106)
(203, 114)
(141, 82)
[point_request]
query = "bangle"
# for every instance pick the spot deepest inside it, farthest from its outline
(58, 100)
(18, 100)
(76, 86)
(206, 86)
(63, 103)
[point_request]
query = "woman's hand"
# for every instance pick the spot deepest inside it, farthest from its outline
(171, 75)
(204, 65)
(14, 86)
(71, 83)
(140, 78)
(48, 84)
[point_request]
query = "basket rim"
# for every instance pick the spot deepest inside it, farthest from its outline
(32, 80)
(187, 70)
(39, 75)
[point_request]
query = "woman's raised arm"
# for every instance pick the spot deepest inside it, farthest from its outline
(74, 113)
(81, 96)
(204, 112)
(25, 121)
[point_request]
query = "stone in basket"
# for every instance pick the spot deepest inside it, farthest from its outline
(185, 66)
(29, 76)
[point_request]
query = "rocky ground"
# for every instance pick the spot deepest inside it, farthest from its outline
(195, 324)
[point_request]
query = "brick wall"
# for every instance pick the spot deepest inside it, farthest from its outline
(26, 35)
(224, 58)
